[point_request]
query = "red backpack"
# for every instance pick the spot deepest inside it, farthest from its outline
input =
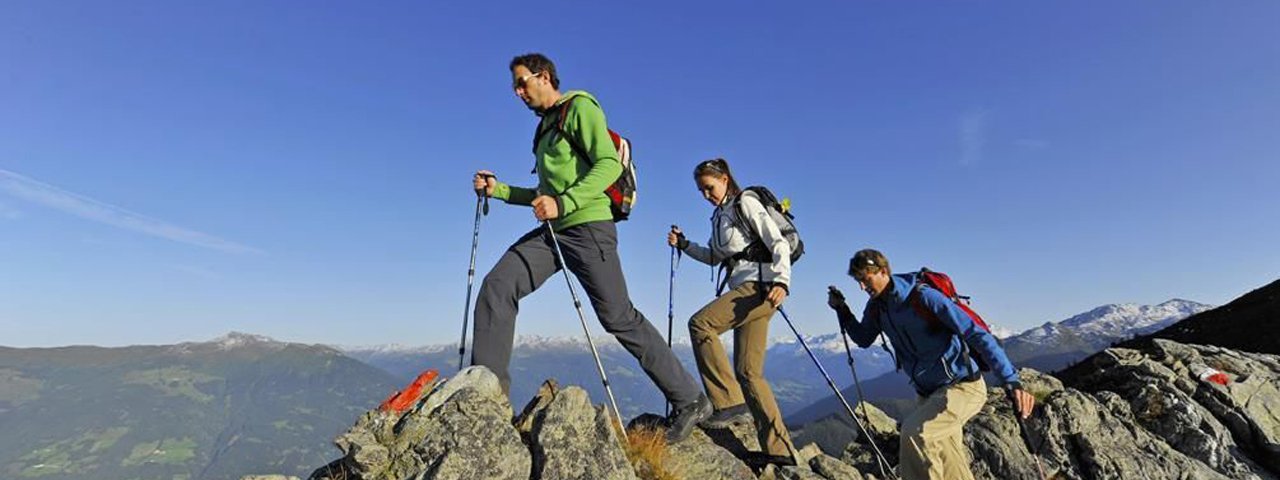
(942, 283)
(622, 192)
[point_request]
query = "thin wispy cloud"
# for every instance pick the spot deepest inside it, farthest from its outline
(973, 136)
(41, 193)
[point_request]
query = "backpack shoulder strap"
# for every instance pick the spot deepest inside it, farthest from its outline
(562, 113)
(917, 303)
(574, 143)
(742, 221)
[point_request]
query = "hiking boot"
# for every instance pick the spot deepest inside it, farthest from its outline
(759, 460)
(726, 416)
(684, 419)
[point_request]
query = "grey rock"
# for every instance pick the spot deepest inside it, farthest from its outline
(1249, 405)
(546, 393)
(739, 437)
(861, 453)
(774, 472)
(574, 440)
(1164, 395)
(807, 453)
(459, 428)
(268, 477)
(478, 379)
(1077, 438)
(831, 468)
(468, 436)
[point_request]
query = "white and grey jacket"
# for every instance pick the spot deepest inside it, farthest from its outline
(728, 239)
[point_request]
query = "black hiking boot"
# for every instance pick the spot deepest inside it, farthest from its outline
(724, 417)
(684, 419)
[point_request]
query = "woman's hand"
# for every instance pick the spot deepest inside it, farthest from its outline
(776, 295)
(676, 238)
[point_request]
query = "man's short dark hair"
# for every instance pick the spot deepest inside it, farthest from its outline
(538, 63)
(868, 261)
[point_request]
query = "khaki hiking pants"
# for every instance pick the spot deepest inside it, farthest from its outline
(932, 444)
(744, 310)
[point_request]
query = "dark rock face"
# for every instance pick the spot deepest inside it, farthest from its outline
(1246, 324)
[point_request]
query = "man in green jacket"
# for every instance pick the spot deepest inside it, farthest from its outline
(573, 174)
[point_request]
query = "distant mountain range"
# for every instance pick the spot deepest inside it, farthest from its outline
(794, 379)
(238, 405)
(244, 404)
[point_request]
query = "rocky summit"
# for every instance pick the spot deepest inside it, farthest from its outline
(1164, 411)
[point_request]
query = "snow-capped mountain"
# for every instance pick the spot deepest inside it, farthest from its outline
(1120, 320)
(1053, 346)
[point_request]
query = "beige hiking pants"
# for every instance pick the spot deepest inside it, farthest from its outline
(744, 310)
(932, 444)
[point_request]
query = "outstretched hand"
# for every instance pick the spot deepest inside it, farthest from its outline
(1023, 403)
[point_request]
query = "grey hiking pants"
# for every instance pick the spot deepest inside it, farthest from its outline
(591, 252)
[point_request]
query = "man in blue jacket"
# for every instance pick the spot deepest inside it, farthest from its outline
(937, 356)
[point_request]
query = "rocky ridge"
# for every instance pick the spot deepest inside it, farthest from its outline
(1155, 412)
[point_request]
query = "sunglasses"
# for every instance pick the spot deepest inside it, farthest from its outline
(523, 82)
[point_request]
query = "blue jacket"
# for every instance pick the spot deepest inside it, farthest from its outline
(933, 357)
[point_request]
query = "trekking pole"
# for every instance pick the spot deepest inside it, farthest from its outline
(848, 352)
(482, 206)
(886, 470)
(577, 304)
(671, 305)
(1026, 438)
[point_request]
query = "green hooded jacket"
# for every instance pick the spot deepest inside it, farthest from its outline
(577, 183)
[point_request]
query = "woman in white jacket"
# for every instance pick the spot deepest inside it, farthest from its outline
(759, 272)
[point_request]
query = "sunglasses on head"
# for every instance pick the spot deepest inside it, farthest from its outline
(855, 273)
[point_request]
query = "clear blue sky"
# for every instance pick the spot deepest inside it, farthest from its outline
(170, 171)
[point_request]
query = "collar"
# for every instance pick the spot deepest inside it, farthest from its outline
(899, 289)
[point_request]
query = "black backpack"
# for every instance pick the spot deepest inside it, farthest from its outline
(756, 250)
